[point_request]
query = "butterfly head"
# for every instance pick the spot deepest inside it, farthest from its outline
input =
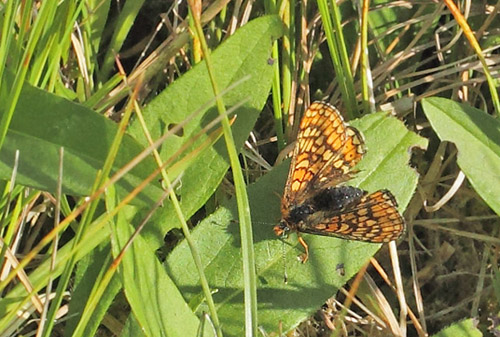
(282, 230)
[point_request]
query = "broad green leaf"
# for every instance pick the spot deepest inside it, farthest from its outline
(155, 301)
(477, 138)
(310, 284)
(43, 123)
(243, 59)
(465, 328)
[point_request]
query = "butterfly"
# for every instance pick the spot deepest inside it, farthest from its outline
(315, 199)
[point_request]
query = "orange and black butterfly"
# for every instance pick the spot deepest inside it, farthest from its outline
(316, 201)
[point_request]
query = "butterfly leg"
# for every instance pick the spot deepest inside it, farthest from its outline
(304, 257)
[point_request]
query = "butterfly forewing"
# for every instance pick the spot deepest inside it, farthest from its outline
(339, 169)
(321, 138)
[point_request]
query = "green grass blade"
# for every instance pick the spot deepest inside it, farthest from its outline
(338, 54)
(87, 272)
(124, 22)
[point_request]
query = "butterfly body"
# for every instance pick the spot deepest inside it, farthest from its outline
(316, 199)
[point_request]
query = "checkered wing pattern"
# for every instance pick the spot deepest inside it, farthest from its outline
(374, 219)
(315, 200)
(325, 152)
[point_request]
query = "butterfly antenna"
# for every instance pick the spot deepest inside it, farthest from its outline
(285, 275)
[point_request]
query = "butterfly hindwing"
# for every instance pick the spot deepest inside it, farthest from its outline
(374, 218)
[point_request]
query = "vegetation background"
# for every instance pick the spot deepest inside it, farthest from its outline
(141, 157)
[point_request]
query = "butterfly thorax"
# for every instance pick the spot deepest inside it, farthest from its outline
(331, 200)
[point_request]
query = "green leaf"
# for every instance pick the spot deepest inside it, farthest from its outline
(310, 284)
(43, 123)
(465, 328)
(243, 59)
(477, 138)
(155, 301)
